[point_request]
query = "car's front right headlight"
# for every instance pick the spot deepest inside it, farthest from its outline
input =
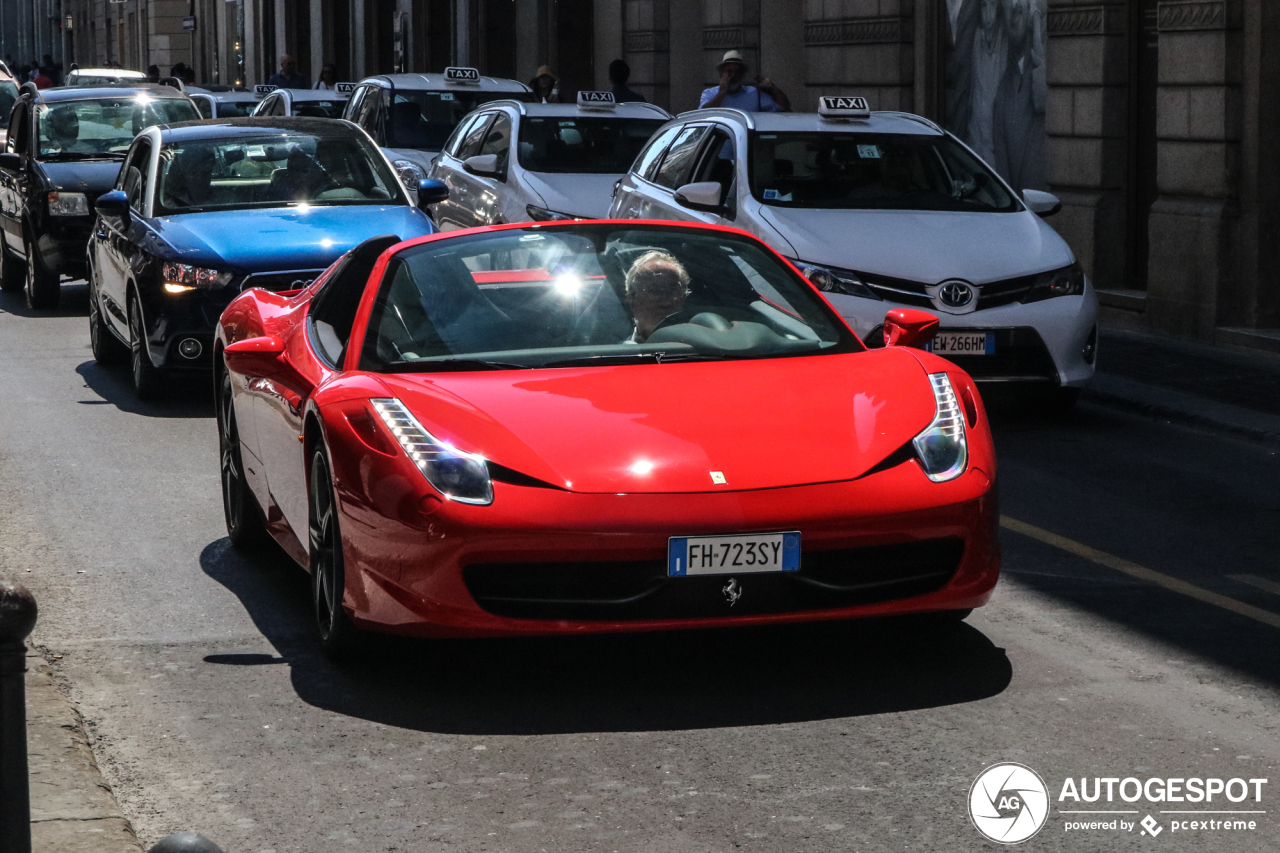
(943, 447)
(458, 476)
(833, 280)
(1068, 281)
(409, 172)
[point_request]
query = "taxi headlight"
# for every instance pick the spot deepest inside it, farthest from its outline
(943, 447)
(459, 476)
(179, 278)
(834, 280)
(68, 204)
(1068, 281)
(542, 214)
(410, 173)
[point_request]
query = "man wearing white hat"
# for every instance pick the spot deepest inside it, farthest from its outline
(764, 97)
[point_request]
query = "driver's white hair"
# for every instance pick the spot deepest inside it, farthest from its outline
(650, 262)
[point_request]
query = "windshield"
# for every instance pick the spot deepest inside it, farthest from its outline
(272, 171)
(104, 126)
(872, 172)
(424, 120)
(88, 81)
(8, 95)
(319, 109)
(591, 145)
(593, 294)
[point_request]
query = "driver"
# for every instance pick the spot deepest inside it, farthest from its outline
(656, 286)
(63, 128)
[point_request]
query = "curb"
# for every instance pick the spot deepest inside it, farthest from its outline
(1121, 393)
(73, 809)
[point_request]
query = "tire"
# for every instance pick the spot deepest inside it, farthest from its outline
(245, 527)
(338, 637)
(43, 289)
(107, 348)
(13, 272)
(146, 377)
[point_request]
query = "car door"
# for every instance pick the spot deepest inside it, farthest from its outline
(116, 248)
(464, 188)
(672, 172)
(628, 198)
(715, 163)
(493, 197)
(10, 197)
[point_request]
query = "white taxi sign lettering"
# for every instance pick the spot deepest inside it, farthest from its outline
(264, 89)
(344, 88)
(597, 100)
(843, 107)
(462, 75)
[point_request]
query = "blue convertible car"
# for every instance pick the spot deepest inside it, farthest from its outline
(204, 210)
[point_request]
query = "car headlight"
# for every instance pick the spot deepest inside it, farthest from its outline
(943, 447)
(179, 278)
(410, 173)
(541, 214)
(68, 204)
(1068, 281)
(459, 476)
(834, 280)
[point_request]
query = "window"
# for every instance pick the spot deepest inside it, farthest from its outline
(135, 177)
(333, 310)
(19, 128)
(367, 115)
(459, 133)
(8, 96)
(678, 163)
(205, 106)
(425, 119)
(475, 137)
(650, 157)
(70, 130)
(719, 161)
(568, 144)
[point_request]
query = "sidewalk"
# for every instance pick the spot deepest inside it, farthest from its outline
(1233, 390)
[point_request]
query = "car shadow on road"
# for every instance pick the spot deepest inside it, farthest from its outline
(73, 302)
(184, 397)
(632, 682)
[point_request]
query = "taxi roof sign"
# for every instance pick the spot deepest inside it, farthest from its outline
(344, 88)
(597, 101)
(264, 89)
(455, 74)
(843, 107)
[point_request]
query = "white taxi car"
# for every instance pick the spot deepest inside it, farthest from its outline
(315, 103)
(883, 210)
(567, 159)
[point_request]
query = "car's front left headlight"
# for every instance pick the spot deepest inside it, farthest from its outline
(68, 204)
(834, 280)
(459, 476)
(1068, 281)
(943, 447)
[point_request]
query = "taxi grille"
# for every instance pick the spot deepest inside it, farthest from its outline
(906, 292)
(641, 590)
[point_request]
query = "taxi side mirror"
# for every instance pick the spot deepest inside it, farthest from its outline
(483, 165)
(704, 196)
(1040, 203)
(907, 327)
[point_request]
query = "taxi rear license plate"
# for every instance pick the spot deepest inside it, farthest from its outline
(964, 343)
(738, 553)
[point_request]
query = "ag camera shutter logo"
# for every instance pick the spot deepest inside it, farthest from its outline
(1008, 803)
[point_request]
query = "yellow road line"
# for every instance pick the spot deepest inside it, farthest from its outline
(1102, 558)
(1260, 583)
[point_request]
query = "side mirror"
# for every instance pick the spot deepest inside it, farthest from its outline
(908, 327)
(1041, 203)
(704, 196)
(483, 165)
(114, 203)
(431, 191)
(258, 357)
(9, 160)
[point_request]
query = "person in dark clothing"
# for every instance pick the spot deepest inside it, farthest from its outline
(289, 77)
(153, 74)
(619, 74)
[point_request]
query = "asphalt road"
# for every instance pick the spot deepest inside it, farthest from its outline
(211, 708)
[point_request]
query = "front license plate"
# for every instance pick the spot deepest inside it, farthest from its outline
(964, 343)
(736, 554)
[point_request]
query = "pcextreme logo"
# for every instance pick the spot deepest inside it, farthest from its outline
(1009, 803)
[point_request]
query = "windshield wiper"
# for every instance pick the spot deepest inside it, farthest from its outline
(448, 364)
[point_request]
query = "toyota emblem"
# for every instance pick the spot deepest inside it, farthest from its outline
(955, 294)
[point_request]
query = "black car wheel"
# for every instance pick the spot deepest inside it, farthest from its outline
(107, 348)
(245, 528)
(328, 577)
(13, 272)
(146, 378)
(43, 290)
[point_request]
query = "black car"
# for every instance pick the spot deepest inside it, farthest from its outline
(204, 210)
(63, 150)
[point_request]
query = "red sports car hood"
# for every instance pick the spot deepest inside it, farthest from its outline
(668, 427)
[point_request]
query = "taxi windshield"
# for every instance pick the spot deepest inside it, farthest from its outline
(570, 144)
(593, 294)
(271, 171)
(423, 120)
(103, 126)
(872, 172)
(320, 109)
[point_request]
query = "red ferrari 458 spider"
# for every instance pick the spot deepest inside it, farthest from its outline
(597, 426)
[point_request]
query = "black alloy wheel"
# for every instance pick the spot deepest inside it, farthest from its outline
(43, 289)
(245, 527)
(146, 378)
(328, 576)
(13, 272)
(107, 348)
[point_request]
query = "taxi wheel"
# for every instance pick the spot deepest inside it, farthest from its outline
(146, 378)
(338, 637)
(245, 527)
(43, 290)
(13, 272)
(107, 348)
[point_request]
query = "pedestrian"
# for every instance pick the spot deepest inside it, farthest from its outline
(188, 76)
(764, 97)
(288, 77)
(328, 77)
(42, 80)
(50, 69)
(176, 71)
(545, 86)
(153, 73)
(619, 74)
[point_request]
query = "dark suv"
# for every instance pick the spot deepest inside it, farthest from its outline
(63, 150)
